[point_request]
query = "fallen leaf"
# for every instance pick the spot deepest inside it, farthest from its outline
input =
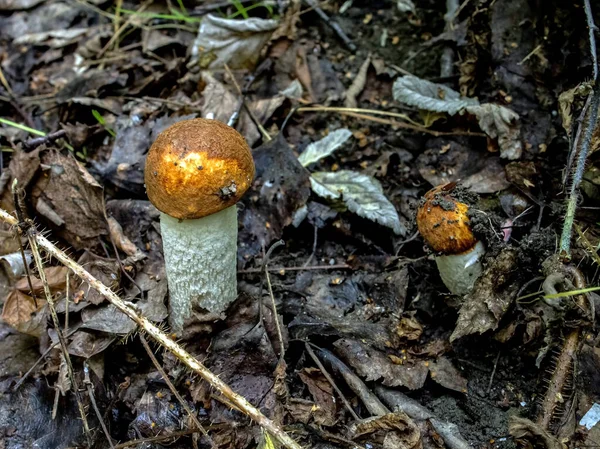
(493, 293)
(19, 311)
(443, 372)
(324, 147)
(70, 194)
(322, 393)
(362, 194)
(236, 43)
(281, 187)
(392, 431)
(374, 365)
(498, 122)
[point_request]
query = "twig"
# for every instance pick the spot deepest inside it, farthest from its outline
(182, 401)
(32, 144)
(396, 123)
(183, 433)
(493, 372)
(313, 356)
(262, 130)
(337, 29)
(582, 151)
(447, 59)
(275, 245)
(158, 335)
(90, 390)
(341, 266)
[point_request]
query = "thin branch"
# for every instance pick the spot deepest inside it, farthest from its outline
(180, 399)
(132, 311)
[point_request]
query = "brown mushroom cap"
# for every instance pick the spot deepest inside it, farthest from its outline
(444, 224)
(197, 167)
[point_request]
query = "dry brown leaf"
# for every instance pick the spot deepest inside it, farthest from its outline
(55, 276)
(19, 312)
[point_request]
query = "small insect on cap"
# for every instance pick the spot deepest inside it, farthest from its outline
(444, 224)
(196, 168)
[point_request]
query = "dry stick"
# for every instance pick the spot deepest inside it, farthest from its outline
(389, 122)
(341, 266)
(183, 433)
(275, 316)
(333, 25)
(325, 373)
(132, 312)
(183, 403)
(253, 117)
(34, 239)
(90, 390)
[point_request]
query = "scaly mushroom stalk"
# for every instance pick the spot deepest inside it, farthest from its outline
(196, 171)
(444, 224)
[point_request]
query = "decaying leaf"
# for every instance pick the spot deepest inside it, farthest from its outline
(374, 365)
(324, 147)
(393, 431)
(430, 96)
(107, 319)
(281, 188)
(490, 298)
(498, 122)
(445, 373)
(322, 392)
(362, 194)
(236, 43)
(21, 313)
(71, 199)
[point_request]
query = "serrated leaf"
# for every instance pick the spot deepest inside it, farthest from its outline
(324, 147)
(500, 123)
(430, 96)
(361, 194)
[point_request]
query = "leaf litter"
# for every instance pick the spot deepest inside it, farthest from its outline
(97, 82)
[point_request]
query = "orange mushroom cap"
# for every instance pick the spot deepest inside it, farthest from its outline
(198, 167)
(444, 224)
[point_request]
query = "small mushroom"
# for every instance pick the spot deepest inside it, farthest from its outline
(444, 224)
(196, 171)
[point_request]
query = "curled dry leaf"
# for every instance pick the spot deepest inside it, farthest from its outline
(236, 43)
(325, 406)
(393, 431)
(493, 293)
(71, 199)
(498, 122)
(374, 365)
(21, 313)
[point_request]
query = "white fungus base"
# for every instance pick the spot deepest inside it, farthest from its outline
(460, 271)
(201, 263)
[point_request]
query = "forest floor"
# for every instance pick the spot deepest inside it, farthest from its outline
(353, 110)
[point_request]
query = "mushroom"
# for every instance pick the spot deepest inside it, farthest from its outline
(444, 224)
(196, 171)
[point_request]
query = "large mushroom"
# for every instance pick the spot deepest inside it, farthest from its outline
(196, 171)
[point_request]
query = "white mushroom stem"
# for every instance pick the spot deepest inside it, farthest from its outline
(201, 263)
(460, 271)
